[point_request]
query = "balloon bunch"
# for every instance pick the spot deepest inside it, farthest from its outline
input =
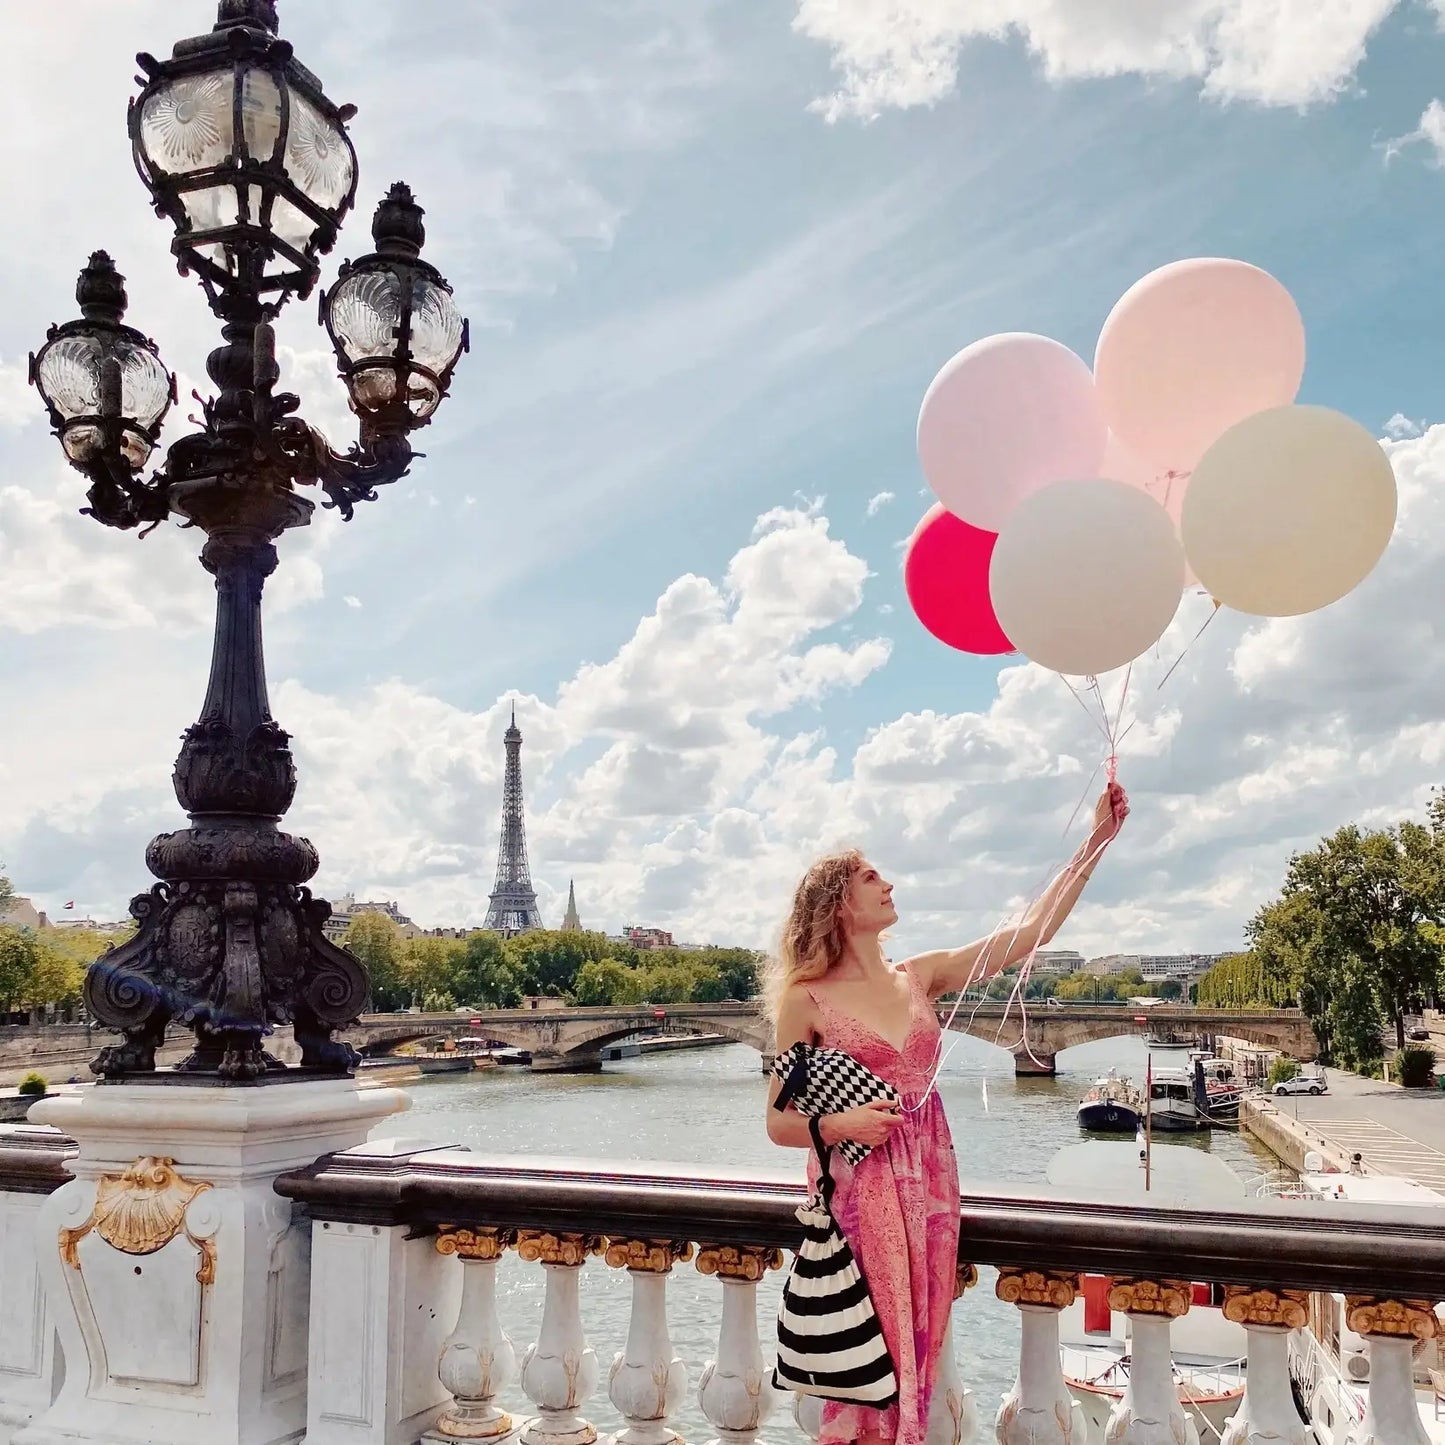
(1074, 507)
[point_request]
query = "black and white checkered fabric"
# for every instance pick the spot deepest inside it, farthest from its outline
(819, 1081)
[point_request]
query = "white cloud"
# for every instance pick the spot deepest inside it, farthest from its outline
(1430, 132)
(1273, 52)
(1401, 428)
(351, 601)
(878, 501)
(686, 779)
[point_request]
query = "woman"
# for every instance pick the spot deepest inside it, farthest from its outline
(898, 1208)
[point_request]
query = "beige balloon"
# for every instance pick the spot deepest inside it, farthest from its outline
(1085, 576)
(1288, 511)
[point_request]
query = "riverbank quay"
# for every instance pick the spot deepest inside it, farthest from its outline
(1394, 1130)
(386, 1263)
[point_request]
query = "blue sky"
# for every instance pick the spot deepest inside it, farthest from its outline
(699, 295)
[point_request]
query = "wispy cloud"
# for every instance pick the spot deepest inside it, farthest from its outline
(1430, 133)
(878, 501)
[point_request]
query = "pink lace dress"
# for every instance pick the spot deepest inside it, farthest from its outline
(898, 1209)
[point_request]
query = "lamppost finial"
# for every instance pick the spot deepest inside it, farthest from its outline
(257, 14)
(397, 226)
(101, 289)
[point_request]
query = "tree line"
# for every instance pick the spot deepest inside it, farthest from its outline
(486, 971)
(1354, 938)
(44, 968)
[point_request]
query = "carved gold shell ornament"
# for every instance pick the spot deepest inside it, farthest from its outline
(1054, 1289)
(646, 1256)
(485, 1242)
(141, 1211)
(1283, 1308)
(541, 1246)
(1167, 1298)
(738, 1261)
(1394, 1318)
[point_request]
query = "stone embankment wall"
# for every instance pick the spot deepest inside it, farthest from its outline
(1290, 1139)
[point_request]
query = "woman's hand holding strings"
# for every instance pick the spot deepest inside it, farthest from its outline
(871, 1124)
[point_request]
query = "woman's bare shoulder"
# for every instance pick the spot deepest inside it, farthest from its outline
(797, 1015)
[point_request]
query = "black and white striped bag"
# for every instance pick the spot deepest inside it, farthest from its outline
(829, 1081)
(830, 1343)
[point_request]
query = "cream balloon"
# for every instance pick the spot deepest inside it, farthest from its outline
(1086, 575)
(1289, 511)
(1193, 348)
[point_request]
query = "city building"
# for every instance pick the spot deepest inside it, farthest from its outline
(346, 908)
(646, 937)
(1057, 961)
(22, 913)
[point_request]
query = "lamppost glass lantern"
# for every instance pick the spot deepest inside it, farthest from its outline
(103, 383)
(397, 332)
(243, 152)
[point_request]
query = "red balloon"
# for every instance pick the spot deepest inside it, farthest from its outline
(945, 573)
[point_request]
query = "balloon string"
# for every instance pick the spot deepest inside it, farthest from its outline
(979, 971)
(1214, 612)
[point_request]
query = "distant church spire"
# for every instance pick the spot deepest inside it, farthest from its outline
(571, 923)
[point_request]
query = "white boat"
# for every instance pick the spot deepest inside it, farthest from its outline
(1096, 1343)
(1329, 1363)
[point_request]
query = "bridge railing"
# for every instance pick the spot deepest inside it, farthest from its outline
(461, 1233)
(423, 1259)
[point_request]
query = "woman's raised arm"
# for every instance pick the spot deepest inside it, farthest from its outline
(947, 970)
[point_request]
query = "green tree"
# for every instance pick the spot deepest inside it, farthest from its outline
(603, 982)
(19, 955)
(7, 894)
(377, 942)
(429, 966)
(484, 974)
(547, 960)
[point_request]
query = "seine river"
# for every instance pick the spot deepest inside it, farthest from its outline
(705, 1106)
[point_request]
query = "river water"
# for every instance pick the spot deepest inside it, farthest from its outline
(705, 1106)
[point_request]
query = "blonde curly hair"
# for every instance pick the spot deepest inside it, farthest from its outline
(814, 937)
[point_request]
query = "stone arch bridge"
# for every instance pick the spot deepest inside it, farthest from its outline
(573, 1039)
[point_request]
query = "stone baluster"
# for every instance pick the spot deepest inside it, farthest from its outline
(477, 1358)
(1149, 1412)
(647, 1381)
(1039, 1410)
(559, 1372)
(1267, 1415)
(952, 1413)
(735, 1392)
(1392, 1326)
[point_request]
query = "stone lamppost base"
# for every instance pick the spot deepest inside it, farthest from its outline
(176, 1277)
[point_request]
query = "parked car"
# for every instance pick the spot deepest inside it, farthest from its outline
(1302, 1084)
(1417, 1035)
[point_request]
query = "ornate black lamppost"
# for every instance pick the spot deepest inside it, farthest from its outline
(244, 154)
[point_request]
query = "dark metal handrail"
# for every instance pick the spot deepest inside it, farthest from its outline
(1289, 1245)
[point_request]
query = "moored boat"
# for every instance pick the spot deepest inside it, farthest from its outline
(1112, 1105)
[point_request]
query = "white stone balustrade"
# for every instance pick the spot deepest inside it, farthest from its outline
(1267, 1415)
(734, 1392)
(647, 1381)
(376, 1324)
(1039, 1409)
(559, 1372)
(1149, 1412)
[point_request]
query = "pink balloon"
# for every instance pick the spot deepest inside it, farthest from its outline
(1190, 350)
(1167, 488)
(1006, 416)
(945, 573)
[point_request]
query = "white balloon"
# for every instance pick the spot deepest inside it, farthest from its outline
(1086, 575)
(1288, 511)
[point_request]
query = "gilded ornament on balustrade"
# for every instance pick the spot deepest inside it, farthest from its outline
(1168, 1298)
(965, 1277)
(540, 1246)
(140, 1211)
(647, 1256)
(738, 1261)
(483, 1242)
(1055, 1288)
(1285, 1308)
(1395, 1318)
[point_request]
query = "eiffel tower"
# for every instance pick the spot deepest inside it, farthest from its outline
(513, 905)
